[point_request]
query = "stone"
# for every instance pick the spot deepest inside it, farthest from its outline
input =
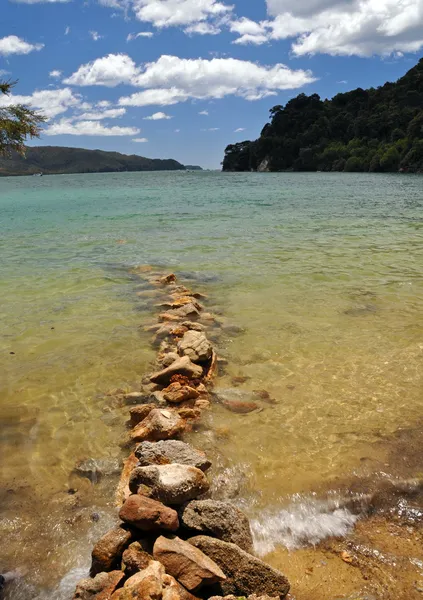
(245, 574)
(123, 491)
(148, 514)
(176, 393)
(236, 400)
(167, 279)
(100, 588)
(170, 484)
(108, 550)
(135, 558)
(136, 398)
(190, 414)
(212, 369)
(177, 314)
(239, 407)
(196, 346)
(172, 590)
(169, 358)
(251, 597)
(202, 403)
(182, 366)
(139, 413)
(178, 301)
(160, 424)
(146, 584)
(188, 565)
(94, 469)
(192, 325)
(171, 451)
(218, 519)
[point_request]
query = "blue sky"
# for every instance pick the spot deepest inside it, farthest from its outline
(183, 78)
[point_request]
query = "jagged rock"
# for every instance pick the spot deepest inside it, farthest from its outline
(169, 358)
(172, 590)
(93, 469)
(170, 484)
(139, 413)
(182, 366)
(123, 491)
(176, 314)
(176, 393)
(145, 585)
(193, 326)
(178, 301)
(218, 519)
(196, 346)
(108, 550)
(160, 424)
(135, 558)
(189, 414)
(100, 588)
(191, 567)
(148, 514)
(171, 451)
(245, 574)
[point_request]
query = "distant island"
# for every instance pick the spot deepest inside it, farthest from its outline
(49, 160)
(193, 168)
(374, 130)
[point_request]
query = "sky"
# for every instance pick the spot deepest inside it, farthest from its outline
(183, 79)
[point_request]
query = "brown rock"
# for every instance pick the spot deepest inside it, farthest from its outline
(202, 403)
(240, 407)
(145, 585)
(170, 484)
(192, 569)
(190, 413)
(212, 369)
(100, 588)
(123, 491)
(160, 424)
(176, 393)
(188, 310)
(108, 550)
(245, 574)
(138, 413)
(135, 559)
(182, 366)
(171, 451)
(148, 515)
(171, 278)
(172, 590)
(196, 346)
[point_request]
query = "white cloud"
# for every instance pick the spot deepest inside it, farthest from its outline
(67, 30)
(41, 1)
(177, 130)
(239, 129)
(55, 74)
(249, 31)
(95, 35)
(158, 116)
(112, 113)
(140, 140)
(104, 104)
(211, 129)
(134, 36)
(67, 127)
(204, 113)
(50, 102)
(160, 97)
(203, 28)
(110, 71)
(167, 13)
(15, 45)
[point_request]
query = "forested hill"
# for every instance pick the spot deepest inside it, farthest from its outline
(50, 160)
(362, 130)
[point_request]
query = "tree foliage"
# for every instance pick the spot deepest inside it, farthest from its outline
(374, 130)
(17, 123)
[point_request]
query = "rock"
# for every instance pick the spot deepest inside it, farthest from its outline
(108, 550)
(93, 469)
(190, 414)
(245, 574)
(251, 597)
(178, 301)
(191, 567)
(123, 491)
(176, 393)
(171, 451)
(160, 424)
(148, 514)
(239, 407)
(236, 400)
(135, 559)
(167, 279)
(218, 519)
(192, 325)
(182, 366)
(170, 484)
(100, 588)
(212, 369)
(139, 413)
(172, 590)
(169, 358)
(135, 398)
(202, 403)
(177, 314)
(145, 585)
(196, 346)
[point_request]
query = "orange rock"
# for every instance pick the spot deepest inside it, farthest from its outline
(123, 492)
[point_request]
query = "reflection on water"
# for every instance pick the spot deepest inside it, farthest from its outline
(318, 283)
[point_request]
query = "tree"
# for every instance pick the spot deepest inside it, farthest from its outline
(17, 123)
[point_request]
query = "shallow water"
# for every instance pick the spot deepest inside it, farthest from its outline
(322, 272)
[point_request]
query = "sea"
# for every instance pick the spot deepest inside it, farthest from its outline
(319, 279)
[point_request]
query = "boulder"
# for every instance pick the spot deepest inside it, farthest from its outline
(135, 558)
(168, 359)
(148, 514)
(145, 585)
(139, 413)
(177, 314)
(123, 491)
(176, 393)
(95, 468)
(108, 550)
(182, 366)
(191, 567)
(196, 346)
(170, 484)
(218, 519)
(160, 424)
(245, 574)
(192, 325)
(171, 451)
(100, 588)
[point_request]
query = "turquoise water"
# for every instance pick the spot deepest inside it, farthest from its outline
(322, 271)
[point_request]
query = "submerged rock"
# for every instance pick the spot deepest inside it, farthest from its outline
(93, 469)
(236, 400)
(218, 519)
(245, 574)
(148, 514)
(177, 314)
(100, 588)
(160, 424)
(191, 567)
(108, 550)
(171, 484)
(171, 451)
(182, 366)
(196, 346)
(176, 393)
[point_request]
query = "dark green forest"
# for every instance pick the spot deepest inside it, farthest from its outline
(374, 130)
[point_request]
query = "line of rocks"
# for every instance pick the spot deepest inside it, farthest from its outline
(175, 543)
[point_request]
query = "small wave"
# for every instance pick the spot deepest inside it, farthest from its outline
(301, 524)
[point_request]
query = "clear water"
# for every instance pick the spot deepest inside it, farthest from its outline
(324, 272)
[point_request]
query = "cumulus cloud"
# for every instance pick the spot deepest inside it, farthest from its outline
(68, 127)
(158, 116)
(112, 113)
(160, 97)
(203, 28)
(12, 44)
(110, 71)
(167, 13)
(249, 31)
(134, 36)
(55, 74)
(140, 140)
(50, 102)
